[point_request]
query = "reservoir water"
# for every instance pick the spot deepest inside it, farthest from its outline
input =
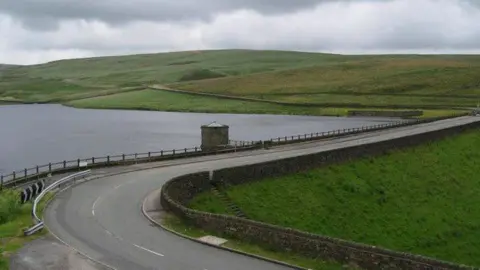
(38, 134)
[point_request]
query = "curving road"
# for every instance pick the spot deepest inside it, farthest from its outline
(102, 218)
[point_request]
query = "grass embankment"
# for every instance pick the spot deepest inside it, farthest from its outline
(14, 217)
(345, 80)
(166, 101)
(177, 225)
(422, 200)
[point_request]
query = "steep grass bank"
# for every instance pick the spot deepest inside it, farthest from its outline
(14, 217)
(422, 200)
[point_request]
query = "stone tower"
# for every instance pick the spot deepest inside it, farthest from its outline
(214, 135)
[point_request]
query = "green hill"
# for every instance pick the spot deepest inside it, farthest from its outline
(5, 66)
(422, 200)
(287, 76)
(80, 78)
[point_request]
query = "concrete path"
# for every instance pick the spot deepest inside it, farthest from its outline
(49, 253)
(102, 218)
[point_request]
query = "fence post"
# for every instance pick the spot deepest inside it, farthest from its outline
(149, 154)
(78, 162)
(161, 153)
(64, 164)
(25, 173)
(108, 160)
(185, 150)
(14, 176)
(49, 167)
(173, 152)
(123, 157)
(93, 160)
(38, 170)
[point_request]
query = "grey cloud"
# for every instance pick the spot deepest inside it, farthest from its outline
(391, 26)
(44, 14)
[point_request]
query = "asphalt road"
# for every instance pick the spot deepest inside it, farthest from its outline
(102, 218)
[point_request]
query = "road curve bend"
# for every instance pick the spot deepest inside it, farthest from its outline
(102, 218)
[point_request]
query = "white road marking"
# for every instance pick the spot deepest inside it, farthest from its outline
(98, 199)
(148, 250)
(119, 185)
(115, 236)
(95, 203)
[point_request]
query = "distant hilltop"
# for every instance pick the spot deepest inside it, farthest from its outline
(5, 66)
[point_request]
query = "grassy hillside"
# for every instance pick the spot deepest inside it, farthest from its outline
(167, 101)
(4, 66)
(68, 79)
(423, 200)
(169, 67)
(376, 80)
(272, 75)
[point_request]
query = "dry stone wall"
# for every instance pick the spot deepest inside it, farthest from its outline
(179, 191)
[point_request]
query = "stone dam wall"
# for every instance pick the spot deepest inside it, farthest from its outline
(177, 192)
(384, 113)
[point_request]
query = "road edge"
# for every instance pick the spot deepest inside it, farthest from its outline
(50, 200)
(158, 224)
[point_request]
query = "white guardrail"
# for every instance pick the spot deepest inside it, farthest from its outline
(37, 220)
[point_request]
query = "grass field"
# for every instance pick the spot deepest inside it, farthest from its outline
(15, 217)
(166, 101)
(271, 75)
(423, 200)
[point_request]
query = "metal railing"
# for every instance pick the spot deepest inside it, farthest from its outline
(22, 176)
(64, 181)
(351, 131)
(240, 143)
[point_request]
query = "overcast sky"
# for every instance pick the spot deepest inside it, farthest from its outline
(34, 31)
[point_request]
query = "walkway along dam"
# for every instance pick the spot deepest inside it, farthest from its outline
(102, 217)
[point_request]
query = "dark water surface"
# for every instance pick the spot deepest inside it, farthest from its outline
(38, 134)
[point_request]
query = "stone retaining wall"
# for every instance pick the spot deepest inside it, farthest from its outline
(179, 191)
(384, 113)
